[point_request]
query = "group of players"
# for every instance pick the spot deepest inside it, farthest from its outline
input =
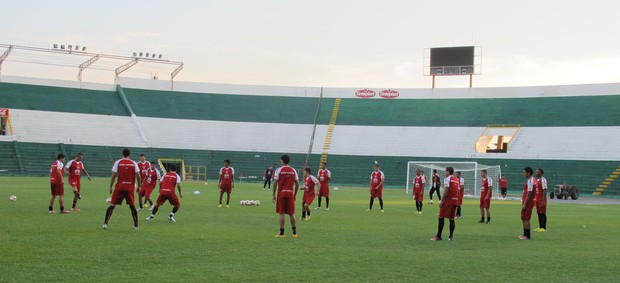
(128, 175)
(534, 194)
(125, 175)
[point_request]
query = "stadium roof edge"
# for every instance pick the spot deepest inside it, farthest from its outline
(291, 91)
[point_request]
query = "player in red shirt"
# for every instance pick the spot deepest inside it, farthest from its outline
(75, 168)
(57, 184)
(377, 178)
(461, 193)
(285, 179)
(527, 202)
(125, 173)
(419, 182)
(227, 182)
(324, 177)
(143, 166)
(503, 186)
(149, 182)
(541, 200)
(486, 193)
(310, 184)
(448, 204)
(166, 193)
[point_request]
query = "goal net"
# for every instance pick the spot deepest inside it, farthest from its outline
(470, 171)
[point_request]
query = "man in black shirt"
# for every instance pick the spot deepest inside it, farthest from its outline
(267, 177)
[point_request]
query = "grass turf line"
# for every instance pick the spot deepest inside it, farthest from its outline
(345, 244)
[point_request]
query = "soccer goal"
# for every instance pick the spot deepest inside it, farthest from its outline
(470, 171)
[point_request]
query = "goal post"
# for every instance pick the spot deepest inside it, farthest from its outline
(165, 163)
(470, 171)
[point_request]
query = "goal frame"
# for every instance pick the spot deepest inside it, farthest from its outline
(476, 167)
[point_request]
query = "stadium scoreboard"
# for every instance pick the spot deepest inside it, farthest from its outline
(449, 61)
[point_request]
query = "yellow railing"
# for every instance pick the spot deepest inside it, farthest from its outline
(607, 182)
(196, 173)
(10, 125)
(330, 130)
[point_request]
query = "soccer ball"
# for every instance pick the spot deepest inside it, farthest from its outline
(258, 202)
(13, 198)
(335, 188)
(108, 200)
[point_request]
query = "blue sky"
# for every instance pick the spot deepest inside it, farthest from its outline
(333, 43)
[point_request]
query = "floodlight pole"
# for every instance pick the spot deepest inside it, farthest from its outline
(4, 56)
(125, 67)
(174, 74)
(86, 65)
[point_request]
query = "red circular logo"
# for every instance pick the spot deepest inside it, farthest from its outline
(365, 93)
(389, 93)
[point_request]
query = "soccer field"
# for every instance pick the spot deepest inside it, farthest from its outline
(342, 245)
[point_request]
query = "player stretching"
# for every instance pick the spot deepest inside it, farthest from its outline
(143, 166)
(148, 186)
(527, 202)
(310, 183)
(227, 182)
(419, 181)
(435, 186)
(447, 206)
(57, 184)
(461, 193)
(503, 186)
(267, 178)
(285, 178)
(126, 174)
(541, 200)
(376, 187)
(324, 177)
(75, 168)
(168, 183)
(486, 192)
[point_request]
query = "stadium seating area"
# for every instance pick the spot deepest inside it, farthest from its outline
(204, 124)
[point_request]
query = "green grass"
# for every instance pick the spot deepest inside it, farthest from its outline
(343, 245)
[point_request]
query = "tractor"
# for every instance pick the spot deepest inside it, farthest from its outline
(564, 191)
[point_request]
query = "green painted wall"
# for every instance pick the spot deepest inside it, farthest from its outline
(349, 170)
(48, 98)
(220, 107)
(528, 112)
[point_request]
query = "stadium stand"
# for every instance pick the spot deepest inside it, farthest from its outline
(60, 99)
(459, 112)
(251, 125)
(74, 128)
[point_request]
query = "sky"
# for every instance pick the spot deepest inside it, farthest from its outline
(332, 43)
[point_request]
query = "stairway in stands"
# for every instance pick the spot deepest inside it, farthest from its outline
(330, 130)
(607, 182)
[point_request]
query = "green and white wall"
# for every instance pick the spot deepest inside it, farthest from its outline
(571, 131)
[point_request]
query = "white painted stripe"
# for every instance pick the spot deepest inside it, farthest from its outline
(554, 143)
(290, 91)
